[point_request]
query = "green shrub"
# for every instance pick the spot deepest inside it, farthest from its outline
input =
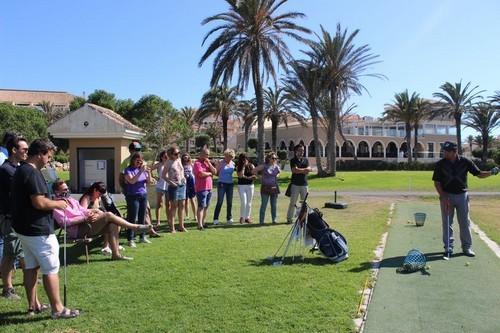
(252, 143)
(201, 140)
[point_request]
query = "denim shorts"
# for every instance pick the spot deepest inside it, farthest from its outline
(177, 193)
(203, 198)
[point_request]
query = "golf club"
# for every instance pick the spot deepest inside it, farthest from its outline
(447, 253)
(64, 259)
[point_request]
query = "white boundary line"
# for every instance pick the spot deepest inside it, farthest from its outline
(489, 242)
(367, 292)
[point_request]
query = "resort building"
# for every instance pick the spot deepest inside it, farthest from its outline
(34, 98)
(366, 138)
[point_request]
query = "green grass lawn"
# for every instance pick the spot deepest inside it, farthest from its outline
(485, 212)
(218, 280)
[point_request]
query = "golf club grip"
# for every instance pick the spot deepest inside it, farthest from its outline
(64, 296)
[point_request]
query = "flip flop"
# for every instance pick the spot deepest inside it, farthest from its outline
(42, 308)
(66, 314)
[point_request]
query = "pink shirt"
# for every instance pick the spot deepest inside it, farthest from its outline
(201, 183)
(74, 212)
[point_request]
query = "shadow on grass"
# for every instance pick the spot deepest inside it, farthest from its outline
(19, 317)
(317, 261)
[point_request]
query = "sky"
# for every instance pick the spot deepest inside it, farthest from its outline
(133, 48)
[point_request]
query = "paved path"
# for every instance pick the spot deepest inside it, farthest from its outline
(459, 295)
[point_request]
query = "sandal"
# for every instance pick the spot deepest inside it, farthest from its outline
(66, 314)
(40, 309)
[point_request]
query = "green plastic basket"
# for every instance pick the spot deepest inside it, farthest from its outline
(420, 219)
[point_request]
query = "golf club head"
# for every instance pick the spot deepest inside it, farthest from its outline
(446, 257)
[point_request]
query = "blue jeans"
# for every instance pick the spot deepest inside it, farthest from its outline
(1, 246)
(227, 189)
(136, 211)
(263, 206)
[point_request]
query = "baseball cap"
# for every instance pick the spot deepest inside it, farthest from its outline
(134, 146)
(449, 146)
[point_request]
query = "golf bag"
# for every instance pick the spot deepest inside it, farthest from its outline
(331, 243)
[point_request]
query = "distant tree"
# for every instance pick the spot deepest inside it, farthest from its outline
(76, 103)
(50, 112)
(403, 109)
(214, 132)
(102, 98)
(28, 122)
(189, 116)
(150, 112)
(423, 110)
(221, 103)
(455, 101)
(252, 143)
(125, 107)
(484, 118)
(249, 116)
(278, 109)
(201, 140)
(250, 39)
(470, 142)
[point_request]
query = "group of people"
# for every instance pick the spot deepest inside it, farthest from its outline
(182, 183)
(28, 211)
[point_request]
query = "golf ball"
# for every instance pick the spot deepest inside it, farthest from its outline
(467, 263)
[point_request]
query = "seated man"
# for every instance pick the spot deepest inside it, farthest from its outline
(81, 222)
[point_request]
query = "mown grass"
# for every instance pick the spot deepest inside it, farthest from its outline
(485, 212)
(219, 280)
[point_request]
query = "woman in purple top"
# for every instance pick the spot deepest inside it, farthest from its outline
(269, 188)
(136, 178)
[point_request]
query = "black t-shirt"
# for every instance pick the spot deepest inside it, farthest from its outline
(7, 170)
(247, 172)
(27, 220)
(453, 175)
(299, 179)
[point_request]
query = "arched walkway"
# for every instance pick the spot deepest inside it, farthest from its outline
(363, 149)
(348, 149)
(312, 151)
(282, 146)
(391, 151)
(377, 149)
(419, 150)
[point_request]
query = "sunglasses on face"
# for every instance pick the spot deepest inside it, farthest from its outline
(175, 154)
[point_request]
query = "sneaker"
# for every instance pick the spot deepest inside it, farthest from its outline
(145, 241)
(121, 248)
(131, 244)
(216, 222)
(230, 221)
(106, 251)
(10, 293)
(469, 253)
(447, 255)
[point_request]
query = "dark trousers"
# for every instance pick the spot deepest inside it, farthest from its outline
(224, 189)
(136, 211)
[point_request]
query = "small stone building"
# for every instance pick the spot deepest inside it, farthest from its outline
(98, 142)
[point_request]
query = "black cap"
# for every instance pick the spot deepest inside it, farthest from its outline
(449, 146)
(136, 146)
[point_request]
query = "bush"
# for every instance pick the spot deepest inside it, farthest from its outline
(61, 157)
(353, 165)
(252, 143)
(201, 140)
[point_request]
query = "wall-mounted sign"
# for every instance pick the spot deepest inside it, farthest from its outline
(95, 171)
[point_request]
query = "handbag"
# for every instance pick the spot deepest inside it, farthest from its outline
(270, 189)
(288, 191)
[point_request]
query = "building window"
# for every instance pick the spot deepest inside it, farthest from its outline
(430, 149)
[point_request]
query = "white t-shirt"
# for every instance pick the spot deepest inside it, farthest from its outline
(162, 183)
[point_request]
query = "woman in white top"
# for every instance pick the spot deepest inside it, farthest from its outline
(161, 186)
(173, 174)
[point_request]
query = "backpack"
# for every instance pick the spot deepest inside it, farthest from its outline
(331, 243)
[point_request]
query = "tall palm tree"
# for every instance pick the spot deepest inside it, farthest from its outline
(470, 142)
(484, 118)
(495, 98)
(403, 109)
(455, 101)
(248, 115)
(220, 102)
(278, 109)
(303, 86)
(422, 112)
(189, 116)
(50, 112)
(250, 37)
(343, 64)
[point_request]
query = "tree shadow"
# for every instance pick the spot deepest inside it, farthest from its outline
(19, 317)
(396, 262)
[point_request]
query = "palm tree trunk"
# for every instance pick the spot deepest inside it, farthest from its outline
(187, 145)
(332, 116)
(224, 131)
(485, 140)
(274, 134)
(259, 98)
(247, 130)
(314, 116)
(416, 142)
(215, 144)
(458, 123)
(408, 141)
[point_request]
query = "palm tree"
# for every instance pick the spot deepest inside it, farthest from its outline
(403, 109)
(470, 141)
(495, 98)
(189, 116)
(455, 102)
(303, 86)
(248, 114)
(278, 109)
(484, 118)
(219, 102)
(50, 112)
(250, 37)
(342, 64)
(213, 131)
(422, 111)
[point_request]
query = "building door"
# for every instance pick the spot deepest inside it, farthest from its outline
(96, 164)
